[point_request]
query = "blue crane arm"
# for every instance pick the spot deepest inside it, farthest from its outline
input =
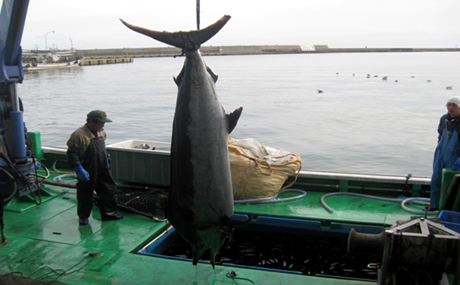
(12, 20)
(12, 129)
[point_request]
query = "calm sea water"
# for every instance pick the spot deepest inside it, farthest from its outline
(357, 125)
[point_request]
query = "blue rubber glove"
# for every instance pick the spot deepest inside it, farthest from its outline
(37, 164)
(82, 174)
(456, 166)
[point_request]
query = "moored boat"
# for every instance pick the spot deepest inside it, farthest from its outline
(323, 231)
(47, 66)
(53, 59)
(296, 241)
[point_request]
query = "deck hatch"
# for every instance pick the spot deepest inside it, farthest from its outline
(282, 245)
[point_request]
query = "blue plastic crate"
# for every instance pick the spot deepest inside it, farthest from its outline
(450, 219)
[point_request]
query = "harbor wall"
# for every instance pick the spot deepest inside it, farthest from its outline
(104, 59)
(245, 50)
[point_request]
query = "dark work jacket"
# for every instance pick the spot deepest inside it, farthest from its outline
(451, 124)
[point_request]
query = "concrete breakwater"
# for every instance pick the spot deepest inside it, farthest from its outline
(105, 59)
(245, 50)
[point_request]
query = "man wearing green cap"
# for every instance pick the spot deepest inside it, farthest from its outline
(87, 154)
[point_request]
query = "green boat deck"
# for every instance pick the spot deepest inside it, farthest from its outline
(45, 241)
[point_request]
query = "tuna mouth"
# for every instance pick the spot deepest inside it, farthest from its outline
(207, 243)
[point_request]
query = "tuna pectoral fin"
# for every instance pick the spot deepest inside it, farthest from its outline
(187, 41)
(233, 118)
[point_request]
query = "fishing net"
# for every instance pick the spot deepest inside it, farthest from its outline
(149, 202)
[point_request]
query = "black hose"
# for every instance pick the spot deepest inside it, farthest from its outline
(17, 175)
(37, 183)
(15, 187)
(2, 225)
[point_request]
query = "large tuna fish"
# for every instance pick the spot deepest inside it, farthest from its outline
(201, 199)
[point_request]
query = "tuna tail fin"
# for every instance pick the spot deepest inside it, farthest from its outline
(187, 41)
(233, 118)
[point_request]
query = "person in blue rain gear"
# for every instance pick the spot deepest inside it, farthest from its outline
(447, 153)
(87, 154)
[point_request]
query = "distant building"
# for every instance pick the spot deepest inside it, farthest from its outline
(321, 47)
(308, 48)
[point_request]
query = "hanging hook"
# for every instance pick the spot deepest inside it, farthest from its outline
(197, 14)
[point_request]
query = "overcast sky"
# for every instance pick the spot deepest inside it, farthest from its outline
(337, 23)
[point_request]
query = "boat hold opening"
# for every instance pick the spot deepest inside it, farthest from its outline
(282, 245)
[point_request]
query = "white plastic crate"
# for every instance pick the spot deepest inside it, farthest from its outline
(141, 166)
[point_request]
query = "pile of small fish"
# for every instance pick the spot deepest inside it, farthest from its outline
(315, 256)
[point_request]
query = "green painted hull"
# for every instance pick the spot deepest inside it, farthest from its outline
(45, 241)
